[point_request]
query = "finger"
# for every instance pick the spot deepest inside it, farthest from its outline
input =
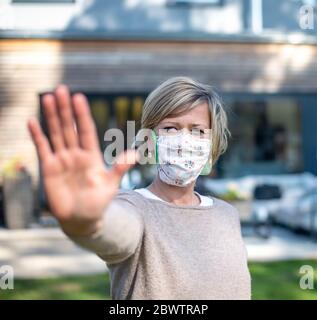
(65, 112)
(86, 128)
(52, 119)
(41, 143)
(125, 161)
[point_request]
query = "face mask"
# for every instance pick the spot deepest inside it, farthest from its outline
(182, 157)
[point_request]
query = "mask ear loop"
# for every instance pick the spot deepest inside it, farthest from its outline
(208, 166)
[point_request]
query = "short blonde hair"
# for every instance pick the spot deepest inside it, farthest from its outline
(179, 94)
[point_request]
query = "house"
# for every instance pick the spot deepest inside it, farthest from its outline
(260, 56)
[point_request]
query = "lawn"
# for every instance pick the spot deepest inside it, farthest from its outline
(274, 280)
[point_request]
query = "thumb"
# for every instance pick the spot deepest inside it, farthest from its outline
(124, 162)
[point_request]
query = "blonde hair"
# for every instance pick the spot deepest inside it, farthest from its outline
(178, 94)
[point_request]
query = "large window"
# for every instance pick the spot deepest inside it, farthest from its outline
(113, 111)
(266, 137)
(266, 134)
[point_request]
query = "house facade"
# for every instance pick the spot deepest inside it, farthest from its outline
(259, 55)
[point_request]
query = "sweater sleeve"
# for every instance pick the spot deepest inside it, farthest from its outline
(118, 235)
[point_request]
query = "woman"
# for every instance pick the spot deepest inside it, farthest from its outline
(162, 242)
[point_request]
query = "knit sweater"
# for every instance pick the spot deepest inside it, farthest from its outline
(159, 250)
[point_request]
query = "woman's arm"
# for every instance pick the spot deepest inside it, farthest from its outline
(79, 189)
(117, 236)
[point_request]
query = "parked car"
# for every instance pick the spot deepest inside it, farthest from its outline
(302, 215)
(293, 208)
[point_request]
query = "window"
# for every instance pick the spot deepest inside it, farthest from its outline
(113, 111)
(266, 137)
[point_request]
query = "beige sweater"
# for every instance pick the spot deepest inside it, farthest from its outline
(159, 250)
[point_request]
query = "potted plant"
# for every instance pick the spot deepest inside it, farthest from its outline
(17, 194)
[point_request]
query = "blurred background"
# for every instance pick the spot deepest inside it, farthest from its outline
(260, 55)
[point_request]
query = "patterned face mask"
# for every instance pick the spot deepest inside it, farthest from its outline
(181, 157)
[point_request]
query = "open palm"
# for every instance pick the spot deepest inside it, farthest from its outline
(77, 184)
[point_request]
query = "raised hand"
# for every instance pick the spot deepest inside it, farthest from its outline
(77, 184)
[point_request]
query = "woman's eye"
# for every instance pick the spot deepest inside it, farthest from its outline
(170, 129)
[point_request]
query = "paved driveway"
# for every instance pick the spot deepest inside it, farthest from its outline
(36, 253)
(43, 252)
